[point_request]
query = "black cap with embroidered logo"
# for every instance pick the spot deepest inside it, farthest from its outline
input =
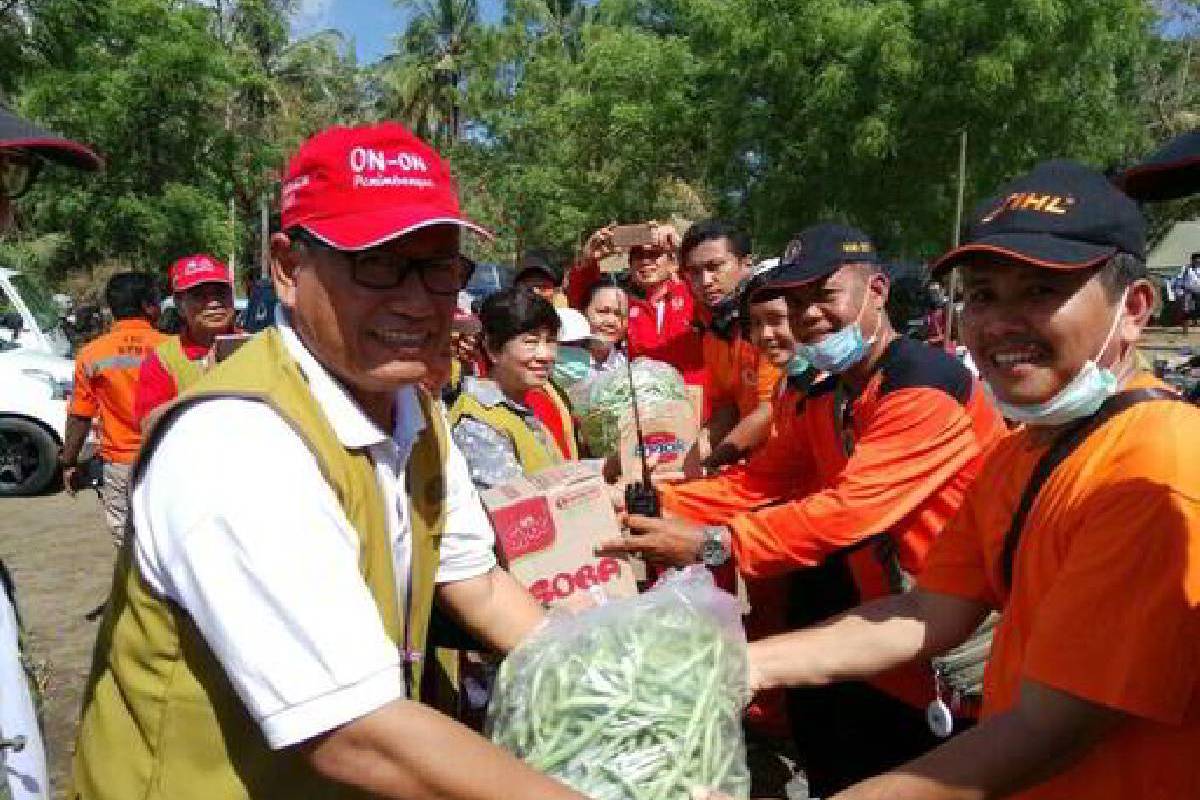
(1170, 172)
(1062, 215)
(816, 252)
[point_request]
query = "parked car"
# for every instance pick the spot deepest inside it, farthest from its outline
(33, 418)
(29, 317)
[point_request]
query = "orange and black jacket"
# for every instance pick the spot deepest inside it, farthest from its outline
(839, 470)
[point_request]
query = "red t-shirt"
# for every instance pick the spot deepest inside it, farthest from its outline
(155, 384)
(663, 329)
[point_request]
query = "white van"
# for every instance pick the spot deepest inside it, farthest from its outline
(36, 380)
(29, 317)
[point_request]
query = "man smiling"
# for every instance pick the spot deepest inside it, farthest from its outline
(861, 470)
(203, 290)
(267, 631)
(1083, 529)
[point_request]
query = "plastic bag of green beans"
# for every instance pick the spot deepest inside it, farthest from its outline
(637, 699)
(601, 402)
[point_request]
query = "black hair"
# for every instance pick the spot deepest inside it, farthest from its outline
(1120, 272)
(710, 229)
(511, 312)
(128, 294)
(607, 281)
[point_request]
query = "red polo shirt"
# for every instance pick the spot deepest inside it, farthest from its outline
(155, 384)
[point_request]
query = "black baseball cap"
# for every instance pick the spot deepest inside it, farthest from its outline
(18, 133)
(536, 261)
(1170, 172)
(816, 252)
(1062, 215)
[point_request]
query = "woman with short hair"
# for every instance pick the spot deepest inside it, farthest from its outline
(498, 433)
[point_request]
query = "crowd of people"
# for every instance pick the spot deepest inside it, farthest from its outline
(898, 516)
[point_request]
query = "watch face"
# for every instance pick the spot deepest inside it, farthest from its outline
(713, 552)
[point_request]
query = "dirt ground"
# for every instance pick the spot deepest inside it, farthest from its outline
(61, 558)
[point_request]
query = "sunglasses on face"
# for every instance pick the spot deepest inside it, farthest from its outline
(381, 269)
(18, 172)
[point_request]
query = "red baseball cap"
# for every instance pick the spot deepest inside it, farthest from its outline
(355, 188)
(194, 270)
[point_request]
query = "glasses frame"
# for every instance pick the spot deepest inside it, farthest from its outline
(403, 266)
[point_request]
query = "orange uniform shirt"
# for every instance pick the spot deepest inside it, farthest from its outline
(1105, 602)
(919, 426)
(738, 373)
(106, 379)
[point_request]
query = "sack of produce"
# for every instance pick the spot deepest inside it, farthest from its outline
(635, 699)
(604, 400)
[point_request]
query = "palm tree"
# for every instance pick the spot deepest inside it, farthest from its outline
(422, 83)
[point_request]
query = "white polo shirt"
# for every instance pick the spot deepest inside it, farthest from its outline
(235, 523)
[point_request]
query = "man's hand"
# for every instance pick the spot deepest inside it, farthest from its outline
(600, 244)
(69, 472)
(673, 542)
(665, 236)
(75, 435)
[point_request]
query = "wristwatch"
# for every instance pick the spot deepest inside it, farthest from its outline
(713, 551)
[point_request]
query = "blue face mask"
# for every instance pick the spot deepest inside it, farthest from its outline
(840, 350)
(1080, 398)
(798, 365)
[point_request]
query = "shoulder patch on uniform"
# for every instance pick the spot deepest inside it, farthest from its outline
(909, 364)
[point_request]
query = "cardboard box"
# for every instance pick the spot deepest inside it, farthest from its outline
(669, 430)
(547, 525)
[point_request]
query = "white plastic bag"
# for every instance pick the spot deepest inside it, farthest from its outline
(602, 401)
(635, 699)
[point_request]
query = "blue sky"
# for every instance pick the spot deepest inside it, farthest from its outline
(370, 23)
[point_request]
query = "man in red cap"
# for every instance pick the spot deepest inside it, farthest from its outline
(269, 625)
(203, 290)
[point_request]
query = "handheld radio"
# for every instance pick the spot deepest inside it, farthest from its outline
(640, 496)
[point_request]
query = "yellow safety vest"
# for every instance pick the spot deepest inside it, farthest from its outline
(182, 369)
(161, 720)
(531, 453)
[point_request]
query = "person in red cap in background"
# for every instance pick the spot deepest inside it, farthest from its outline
(269, 626)
(662, 311)
(203, 290)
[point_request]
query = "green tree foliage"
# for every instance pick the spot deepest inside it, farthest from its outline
(191, 104)
(846, 109)
(422, 84)
(576, 122)
(112, 73)
(572, 113)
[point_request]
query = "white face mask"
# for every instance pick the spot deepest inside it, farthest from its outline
(1081, 397)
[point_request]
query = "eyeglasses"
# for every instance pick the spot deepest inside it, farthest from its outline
(18, 172)
(381, 269)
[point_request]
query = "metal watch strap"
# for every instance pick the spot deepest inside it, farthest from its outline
(714, 552)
